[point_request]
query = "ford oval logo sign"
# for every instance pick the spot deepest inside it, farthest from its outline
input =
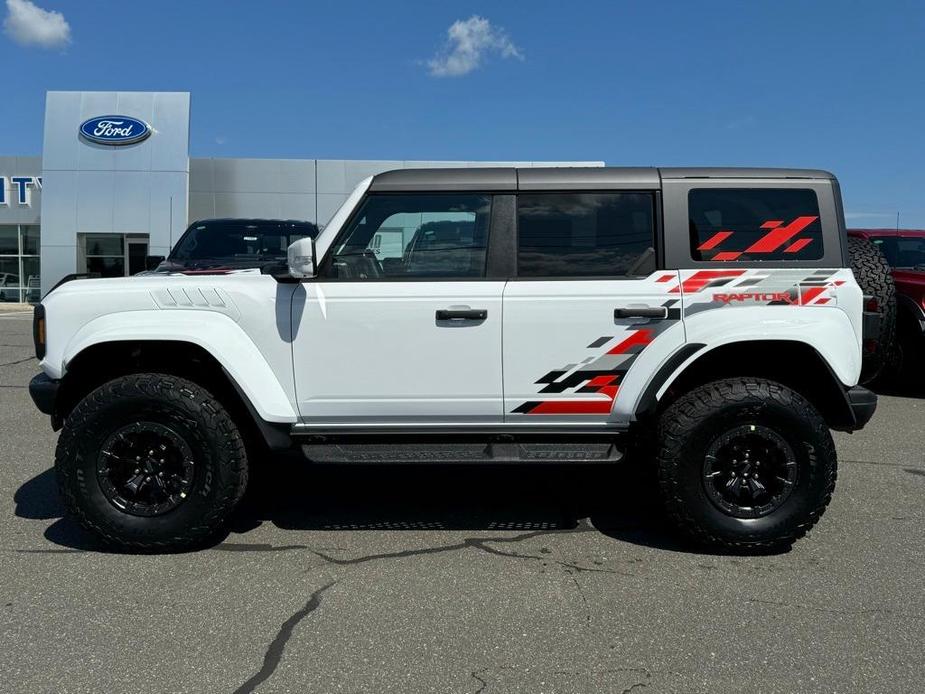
(115, 130)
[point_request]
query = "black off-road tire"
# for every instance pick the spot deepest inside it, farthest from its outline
(694, 422)
(188, 410)
(872, 272)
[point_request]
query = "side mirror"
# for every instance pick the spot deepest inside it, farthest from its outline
(301, 259)
(152, 261)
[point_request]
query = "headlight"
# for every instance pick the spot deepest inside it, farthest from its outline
(38, 331)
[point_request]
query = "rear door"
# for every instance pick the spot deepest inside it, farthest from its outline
(588, 317)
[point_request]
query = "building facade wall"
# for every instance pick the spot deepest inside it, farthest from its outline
(20, 208)
(103, 190)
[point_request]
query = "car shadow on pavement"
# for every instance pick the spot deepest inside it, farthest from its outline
(615, 500)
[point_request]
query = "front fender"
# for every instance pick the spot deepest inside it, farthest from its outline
(215, 332)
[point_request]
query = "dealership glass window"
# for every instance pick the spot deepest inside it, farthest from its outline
(415, 237)
(754, 224)
(585, 234)
(19, 263)
(30, 240)
(9, 240)
(105, 254)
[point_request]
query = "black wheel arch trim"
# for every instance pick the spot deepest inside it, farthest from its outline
(275, 435)
(648, 401)
(855, 405)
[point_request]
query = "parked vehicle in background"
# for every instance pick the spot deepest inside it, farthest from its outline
(212, 245)
(480, 315)
(904, 251)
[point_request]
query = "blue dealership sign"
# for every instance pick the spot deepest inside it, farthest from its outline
(115, 130)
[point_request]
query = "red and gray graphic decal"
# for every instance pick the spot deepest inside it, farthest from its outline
(709, 289)
(601, 375)
(777, 235)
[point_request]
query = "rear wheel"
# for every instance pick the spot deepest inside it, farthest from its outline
(745, 464)
(151, 462)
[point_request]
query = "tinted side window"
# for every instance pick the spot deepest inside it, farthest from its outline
(585, 234)
(754, 224)
(903, 251)
(415, 236)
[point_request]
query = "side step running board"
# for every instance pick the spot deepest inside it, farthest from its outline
(464, 453)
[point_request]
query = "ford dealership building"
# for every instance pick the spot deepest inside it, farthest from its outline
(115, 184)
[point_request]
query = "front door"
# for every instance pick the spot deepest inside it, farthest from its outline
(586, 309)
(404, 332)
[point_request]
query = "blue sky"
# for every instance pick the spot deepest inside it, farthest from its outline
(832, 85)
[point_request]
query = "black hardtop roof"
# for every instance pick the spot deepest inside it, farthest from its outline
(566, 178)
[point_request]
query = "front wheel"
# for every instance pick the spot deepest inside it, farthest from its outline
(745, 464)
(151, 462)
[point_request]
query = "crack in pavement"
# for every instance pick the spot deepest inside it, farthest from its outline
(584, 600)
(274, 652)
(642, 673)
(475, 676)
(21, 361)
(914, 471)
(255, 547)
(469, 542)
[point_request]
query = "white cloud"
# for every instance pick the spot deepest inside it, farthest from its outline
(468, 41)
(30, 25)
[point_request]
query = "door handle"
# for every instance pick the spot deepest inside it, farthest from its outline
(656, 312)
(461, 314)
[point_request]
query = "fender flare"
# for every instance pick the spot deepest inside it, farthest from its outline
(219, 335)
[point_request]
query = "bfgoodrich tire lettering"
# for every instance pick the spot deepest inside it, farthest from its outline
(689, 429)
(170, 404)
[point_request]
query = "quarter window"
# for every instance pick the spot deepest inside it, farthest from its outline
(728, 224)
(415, 236)
(585, 234)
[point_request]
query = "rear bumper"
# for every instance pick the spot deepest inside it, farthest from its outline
(44, 392)
(863, 404)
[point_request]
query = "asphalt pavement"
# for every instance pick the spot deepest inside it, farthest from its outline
(461, 579)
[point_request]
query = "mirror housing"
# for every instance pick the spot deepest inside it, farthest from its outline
(301, 259)
(152, 261)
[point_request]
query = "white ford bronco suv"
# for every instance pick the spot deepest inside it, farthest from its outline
(482, 315)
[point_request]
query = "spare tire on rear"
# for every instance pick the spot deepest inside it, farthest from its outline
(873, 274)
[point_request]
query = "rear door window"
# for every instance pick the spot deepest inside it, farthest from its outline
(754, 224)
(585, 234)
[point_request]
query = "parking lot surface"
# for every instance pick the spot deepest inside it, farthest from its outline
(461, 579)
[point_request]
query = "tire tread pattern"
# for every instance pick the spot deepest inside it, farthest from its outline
(186, 399)
(686, 414)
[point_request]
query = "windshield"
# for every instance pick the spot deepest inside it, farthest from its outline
(240, 241)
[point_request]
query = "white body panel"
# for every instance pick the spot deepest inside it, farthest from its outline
(567, 359)
(241, 320)
(373, 353)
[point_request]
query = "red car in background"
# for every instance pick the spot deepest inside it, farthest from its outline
(904, 250)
